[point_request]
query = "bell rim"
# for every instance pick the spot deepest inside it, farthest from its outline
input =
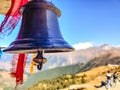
(46, 50)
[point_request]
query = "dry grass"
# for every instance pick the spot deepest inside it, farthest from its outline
(4, 6)
(92, 77)
(95, 76)
(91, 74)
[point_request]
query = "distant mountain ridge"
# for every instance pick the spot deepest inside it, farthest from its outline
(63, 59)
(104, 59)
(78, 56)
(98, 57)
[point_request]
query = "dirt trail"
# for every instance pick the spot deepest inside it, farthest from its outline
(92, 87)
(117, 87)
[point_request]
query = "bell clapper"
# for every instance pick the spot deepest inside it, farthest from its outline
(39, 59)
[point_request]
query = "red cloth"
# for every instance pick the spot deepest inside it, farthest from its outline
(18, 70)
(14, 62)
(12, 16)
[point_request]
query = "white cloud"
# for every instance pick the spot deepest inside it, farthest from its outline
(82, 45)
(117, 46)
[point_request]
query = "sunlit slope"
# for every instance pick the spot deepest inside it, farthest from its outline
(50, 74)
(82, 81)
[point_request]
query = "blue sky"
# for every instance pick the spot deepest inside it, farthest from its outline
(94, 22)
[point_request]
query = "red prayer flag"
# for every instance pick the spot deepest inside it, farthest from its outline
(20, 68)
(12, 17)
(17, 71)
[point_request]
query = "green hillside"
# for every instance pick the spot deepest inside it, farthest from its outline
(50, 74)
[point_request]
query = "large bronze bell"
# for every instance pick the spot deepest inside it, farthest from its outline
(39, 30)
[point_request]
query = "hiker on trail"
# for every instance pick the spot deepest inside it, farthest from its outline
(103, 83)
(108, 75)
(115, 77)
